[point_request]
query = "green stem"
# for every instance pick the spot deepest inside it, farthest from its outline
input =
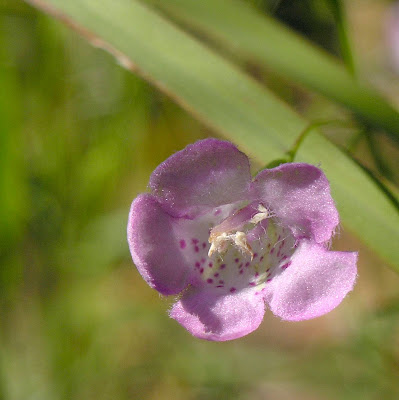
(290, 155)
(375, 151)
(354, 141)
(342, 28)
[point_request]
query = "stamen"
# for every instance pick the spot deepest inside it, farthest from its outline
(221, 241)
(227, 232)
(260, 216)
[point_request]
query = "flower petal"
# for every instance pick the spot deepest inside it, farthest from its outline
(314, 284)
(153, 246)
(299, 195)
(208, 173)
(219, 317)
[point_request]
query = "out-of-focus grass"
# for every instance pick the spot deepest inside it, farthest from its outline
(79, 138)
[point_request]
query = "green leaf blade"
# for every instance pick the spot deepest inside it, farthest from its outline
(263, 40)
(231, 103)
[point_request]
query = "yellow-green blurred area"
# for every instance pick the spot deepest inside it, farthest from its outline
(79, 137)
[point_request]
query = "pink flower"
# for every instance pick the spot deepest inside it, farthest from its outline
(231, 245)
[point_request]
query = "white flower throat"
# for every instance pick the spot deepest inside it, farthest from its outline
(236, 250)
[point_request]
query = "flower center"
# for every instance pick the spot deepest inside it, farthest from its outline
(226, 233)
(247, 248)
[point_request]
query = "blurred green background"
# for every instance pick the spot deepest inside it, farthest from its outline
(79, 137)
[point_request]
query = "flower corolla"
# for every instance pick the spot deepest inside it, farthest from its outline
(230, 245)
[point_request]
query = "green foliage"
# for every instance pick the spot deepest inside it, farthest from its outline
(262, 40)
(232, 104)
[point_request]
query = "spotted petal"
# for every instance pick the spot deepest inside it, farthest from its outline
(314, 284)
(299, 195)
(206, 174)
(225, 317)
(153, 246)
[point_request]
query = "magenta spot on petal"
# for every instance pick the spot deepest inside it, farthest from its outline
(241, 272)
(223, 266)
(284, 257)
(221, 281)
(233, 289)
(256, 274)
(286, 265)
(197, 264)
(209, 280)
(195, 241)
(236, 260)
(201, 270)
(210, 265)
(219, 286)
(196, 248)
(247, 264)
(279, 237)
(272, 251)
(216, 275)
(255, 255)
(269, 280)
(261, 259)
(182, 244)
(203, 245)
(202, 260)
(252, 283)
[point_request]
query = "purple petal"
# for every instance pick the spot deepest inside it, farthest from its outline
(224, 317)
(299, 195)
(153, 246)
(314, 284)
(205, 174)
